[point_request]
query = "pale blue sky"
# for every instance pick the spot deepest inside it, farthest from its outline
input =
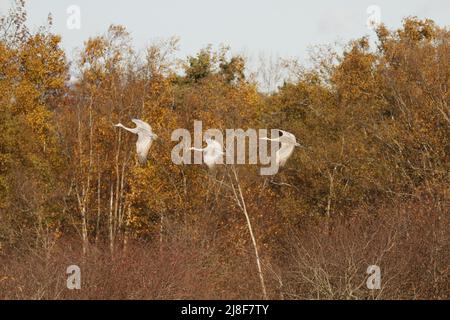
(276, 27)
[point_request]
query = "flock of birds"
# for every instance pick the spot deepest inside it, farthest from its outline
(213, 152)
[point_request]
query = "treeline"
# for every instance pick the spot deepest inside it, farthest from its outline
(374, 120)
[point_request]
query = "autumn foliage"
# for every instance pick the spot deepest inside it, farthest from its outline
(370, 187)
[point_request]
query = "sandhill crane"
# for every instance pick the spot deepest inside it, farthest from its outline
(288, 144)
(212, 153)
(145, 138)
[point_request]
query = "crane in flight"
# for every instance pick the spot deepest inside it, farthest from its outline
(288, 143)
(212, 153)
(145, 138)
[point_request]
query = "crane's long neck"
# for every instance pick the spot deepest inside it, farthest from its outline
(128, 129)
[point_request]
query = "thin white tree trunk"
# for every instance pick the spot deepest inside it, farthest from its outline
(241, 203)
(110, 220)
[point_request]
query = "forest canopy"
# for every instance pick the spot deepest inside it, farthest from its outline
(374, 120)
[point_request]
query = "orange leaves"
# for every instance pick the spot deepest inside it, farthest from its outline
(374, 123)
(354, 78)
(33, 70)
(94, 49)
(416, 30)
(44, 62)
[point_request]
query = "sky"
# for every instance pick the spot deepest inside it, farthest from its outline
(284, 28)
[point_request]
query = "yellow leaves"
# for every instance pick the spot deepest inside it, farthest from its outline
(39, 120)
(7, 63)
(354, 76)
(25, 98)
(94, 49)
(362, 119)
(44, 62)
(417, 30)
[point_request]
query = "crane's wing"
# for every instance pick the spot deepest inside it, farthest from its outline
(143, 145)
(216, 147)
(213, 153)
(287, 137)
(142, 124)
(288, 143)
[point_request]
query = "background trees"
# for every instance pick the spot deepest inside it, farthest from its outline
(33, 72)
(374, 122)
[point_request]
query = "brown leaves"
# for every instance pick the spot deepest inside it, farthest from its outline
(374, 123)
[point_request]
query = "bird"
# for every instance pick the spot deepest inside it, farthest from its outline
(213, 153)
(145, 138)
(288, 144)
